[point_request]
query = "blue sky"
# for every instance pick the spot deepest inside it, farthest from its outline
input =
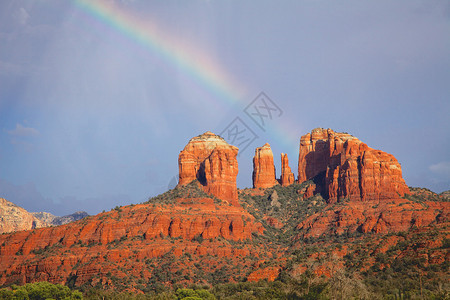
(91, 118)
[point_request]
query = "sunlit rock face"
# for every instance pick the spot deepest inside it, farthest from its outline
(287, 177)
(264, 168)
(345, 167)
(212, 161)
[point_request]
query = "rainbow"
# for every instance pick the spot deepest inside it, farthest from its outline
(194, 63)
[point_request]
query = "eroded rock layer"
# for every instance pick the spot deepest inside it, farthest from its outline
(345, 167)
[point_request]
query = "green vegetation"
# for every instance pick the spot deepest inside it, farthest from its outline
(424, 194)
(190, 190)
(285, 204)
(38, 291)
(344, 284)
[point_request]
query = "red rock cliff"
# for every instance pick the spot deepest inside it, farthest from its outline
(211, 160)
(263, 168)
(287, 177)
(347, 168)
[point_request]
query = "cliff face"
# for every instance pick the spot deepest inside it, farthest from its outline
(212, 161)
(15, 218)
(263, 168)
(346, 168)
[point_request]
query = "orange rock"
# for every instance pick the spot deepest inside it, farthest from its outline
(274, 222)
(269, 273)
(345, 167)
(264, 168)
(212, 161)
(287, 177)
(309, 191)
(374, 216)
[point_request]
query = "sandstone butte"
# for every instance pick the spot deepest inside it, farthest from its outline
(209, 159)
(287, 177)
(264, 168)
(343, 167)
(15, 218)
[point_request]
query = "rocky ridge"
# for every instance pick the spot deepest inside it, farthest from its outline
(53, 220)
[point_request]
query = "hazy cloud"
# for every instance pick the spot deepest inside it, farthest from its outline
(22, 16)
(441, 168)
(22, 131)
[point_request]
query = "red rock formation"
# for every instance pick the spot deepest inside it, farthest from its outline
(287, 177)
(269, 273)
(309, 191)
(15, 218)
(274, 222)
(263, 168)
(211, 160)
(345, 167)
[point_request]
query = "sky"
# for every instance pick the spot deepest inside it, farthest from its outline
(97, 98)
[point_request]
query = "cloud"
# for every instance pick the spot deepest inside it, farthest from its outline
(22, 16)
(22, 131)
(441, 168)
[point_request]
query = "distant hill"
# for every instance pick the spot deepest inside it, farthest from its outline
(16, 218)
(56, 221)
(445, 195)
